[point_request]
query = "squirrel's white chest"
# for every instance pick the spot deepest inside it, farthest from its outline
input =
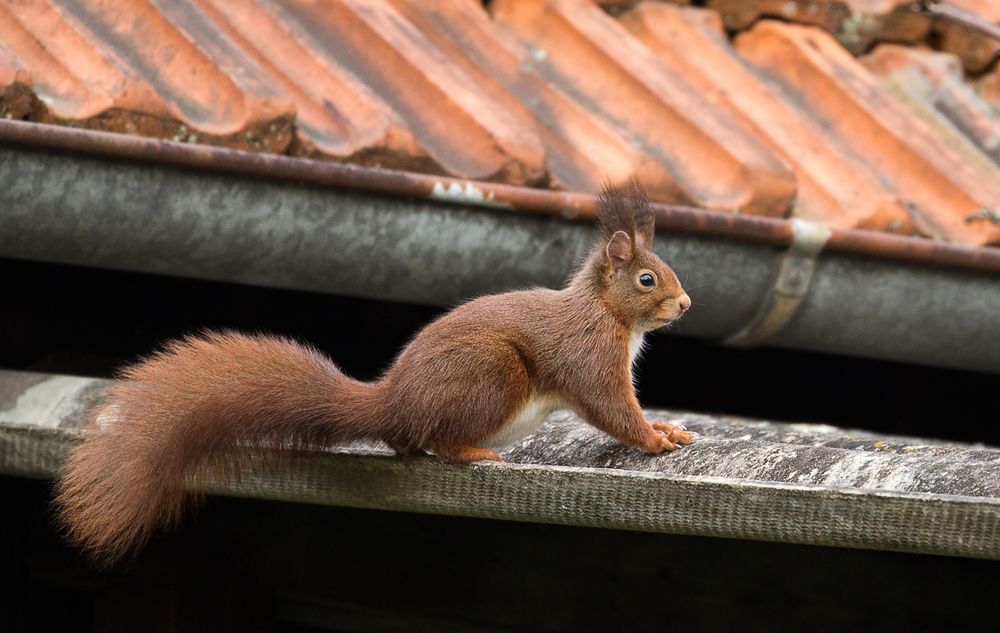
(533, 414)
(635, 345)
(526, 421)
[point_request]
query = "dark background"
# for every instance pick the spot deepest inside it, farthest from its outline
(242, 565)
(245, 565)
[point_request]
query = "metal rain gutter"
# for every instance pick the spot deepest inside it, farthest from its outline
(98, 199)
(570, 205)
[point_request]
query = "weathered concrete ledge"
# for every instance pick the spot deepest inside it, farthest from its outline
(747, 479)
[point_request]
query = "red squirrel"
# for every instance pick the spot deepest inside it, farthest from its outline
(477, 378)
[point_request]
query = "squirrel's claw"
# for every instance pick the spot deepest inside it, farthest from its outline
(675, 433)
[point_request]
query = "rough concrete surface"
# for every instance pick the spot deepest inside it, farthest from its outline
(801, 483)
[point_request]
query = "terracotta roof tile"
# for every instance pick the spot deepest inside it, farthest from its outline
(931, 84)
(975, 49)
(452, 117)
(988, 87)
(988, 9)
(715, 160)
(17, 99)
(338, 116)
(582, 150)
(834, 184)
(618, 5)
(96, 65)
(65, 94)
(855, 23)
(945, 190)
(549, 92)
(858, 24)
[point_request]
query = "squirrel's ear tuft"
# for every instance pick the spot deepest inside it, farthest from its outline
(645, 220)
(627, 208)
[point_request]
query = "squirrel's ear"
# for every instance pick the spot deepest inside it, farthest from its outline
(619, 251)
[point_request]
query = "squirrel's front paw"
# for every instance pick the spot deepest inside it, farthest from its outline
(674, 434)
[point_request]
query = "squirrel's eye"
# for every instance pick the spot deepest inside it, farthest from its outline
(647, 280)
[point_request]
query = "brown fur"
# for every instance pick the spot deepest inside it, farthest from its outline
(219, 403)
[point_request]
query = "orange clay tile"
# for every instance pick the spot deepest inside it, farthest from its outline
(715, 160)
(337, 116)
(974, 48)
(738, 15)
(451, 117)
(582, 151)
(855, 23)
(66, 94)
(917, 95)
(127, 67)
(858, 24)
(947, 194)
(17, 100)
(931, 84)
(986, 9)
(614, 7)
(835, 187)
(988, 87)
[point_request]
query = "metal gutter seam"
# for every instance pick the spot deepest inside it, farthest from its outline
(568, 205)
(793, 276)
(571, 474)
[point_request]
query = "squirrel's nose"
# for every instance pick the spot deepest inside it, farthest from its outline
(684, 302)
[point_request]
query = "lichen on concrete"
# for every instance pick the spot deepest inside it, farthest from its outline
(729, 447)
(741, 449)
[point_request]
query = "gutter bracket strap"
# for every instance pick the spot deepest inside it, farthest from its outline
(792, 278)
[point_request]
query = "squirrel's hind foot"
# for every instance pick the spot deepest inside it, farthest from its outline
(405, 448)
(462, 454)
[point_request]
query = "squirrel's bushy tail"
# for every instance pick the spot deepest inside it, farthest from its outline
(208, 405)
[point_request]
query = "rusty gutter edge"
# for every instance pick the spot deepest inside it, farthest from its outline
(569, 205)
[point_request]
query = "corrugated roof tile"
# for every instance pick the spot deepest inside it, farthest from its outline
(931, 84)
(549, 92)
(834, 185)
(338, 116)
(945, 191)
(855, 23)
(17, 99)
(988, 87)
(129, 68)
(858, 24)
(976, 50)
(450, 115)
(65, 94)
(715, 160)
(986, 9)
(582, 150)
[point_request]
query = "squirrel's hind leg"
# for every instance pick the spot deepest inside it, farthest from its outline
(462, 454)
